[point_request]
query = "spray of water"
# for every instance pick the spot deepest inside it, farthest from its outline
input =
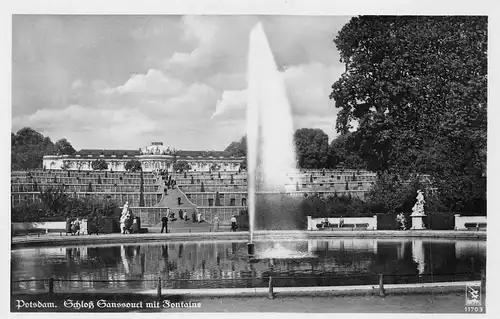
(271, 151)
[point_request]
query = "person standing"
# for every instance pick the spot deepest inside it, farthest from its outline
(76, 226)
(164, 221)
(193, 216)
(233, 223)
(135, 225)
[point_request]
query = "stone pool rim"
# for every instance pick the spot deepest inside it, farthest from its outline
(55, 240)
(347, 290)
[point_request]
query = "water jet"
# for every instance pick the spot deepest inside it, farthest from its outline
(270, 146)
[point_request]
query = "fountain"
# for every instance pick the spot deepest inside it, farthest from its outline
(270, 146)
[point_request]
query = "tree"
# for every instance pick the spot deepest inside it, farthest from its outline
(28, 148)
(65, 165)
(243, 164)
(63, 147)
(181, 166)
(394, 194)
(311, 147)
(238, 149)
(99, 165)
(215, 167)
(343, 152)
(54, 200)
(417, 87)
(141, 191)
(133, 166)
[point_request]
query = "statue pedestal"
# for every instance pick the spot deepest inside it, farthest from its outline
(417, 221)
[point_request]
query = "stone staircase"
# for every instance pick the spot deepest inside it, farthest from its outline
(170, 200)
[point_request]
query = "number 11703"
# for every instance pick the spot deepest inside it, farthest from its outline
(473, 309)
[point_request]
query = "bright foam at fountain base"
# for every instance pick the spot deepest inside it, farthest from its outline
(278, 251)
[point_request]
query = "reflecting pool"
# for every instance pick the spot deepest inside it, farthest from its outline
(225, 263)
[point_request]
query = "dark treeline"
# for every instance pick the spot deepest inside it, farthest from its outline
(314, 151)
(56, 204)
(29, 146)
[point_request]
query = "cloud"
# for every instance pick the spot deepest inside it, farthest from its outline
(121, 81)
(231, 100)
(79, 124)
(76, 84)
(160, 95)
(154, 82)
(308, 87)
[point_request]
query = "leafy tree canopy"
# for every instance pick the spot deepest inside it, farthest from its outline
(311, 147)
(99, 165)
(63, 147)
(133, 166)
(181, 166)
(28, 148)
(238, 148)
(417, 88)
(344, 153)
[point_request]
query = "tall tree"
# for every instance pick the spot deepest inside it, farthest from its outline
(343, 151)
(238, 149)
(417, 87)
(63, 147)
(141, 191)
(312, 148)
(28, 148)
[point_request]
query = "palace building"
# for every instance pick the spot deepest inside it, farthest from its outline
(153, 157)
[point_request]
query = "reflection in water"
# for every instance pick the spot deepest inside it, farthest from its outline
(358, 261)
(418, 255)
(124, 260)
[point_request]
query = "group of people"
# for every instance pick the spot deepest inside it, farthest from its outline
(401, 219)
(326, 223)
(170, 216)
(196, 218)
(170, 183)
(129, 223)
(73, 226)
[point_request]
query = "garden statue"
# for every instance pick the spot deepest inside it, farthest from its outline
(418, 212)
(124, 218)
(125, 209)
(418, 208)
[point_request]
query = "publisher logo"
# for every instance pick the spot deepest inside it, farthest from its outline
(473, 295)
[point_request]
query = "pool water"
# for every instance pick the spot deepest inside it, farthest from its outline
(218, 264)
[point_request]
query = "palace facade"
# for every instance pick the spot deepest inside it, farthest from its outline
(154, 157)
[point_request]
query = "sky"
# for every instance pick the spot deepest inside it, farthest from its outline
(121, 82)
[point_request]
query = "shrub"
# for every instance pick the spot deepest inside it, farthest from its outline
(181, 166)
(133, 166)
(99, 165)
